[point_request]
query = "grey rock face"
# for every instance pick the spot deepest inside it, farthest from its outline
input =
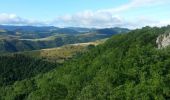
(163, 41)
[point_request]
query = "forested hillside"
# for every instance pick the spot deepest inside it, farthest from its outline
(22, 65)
(126, 67)
(17, 67)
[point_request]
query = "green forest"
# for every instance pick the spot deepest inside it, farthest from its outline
(126, 67)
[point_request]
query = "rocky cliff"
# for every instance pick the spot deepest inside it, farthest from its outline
(163, 40)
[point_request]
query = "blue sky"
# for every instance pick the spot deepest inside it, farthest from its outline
(51, 8)
(86, 13)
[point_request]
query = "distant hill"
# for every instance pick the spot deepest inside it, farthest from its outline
(81, 30)
(27, 28)
(68, 31)
(111, 31)
(27, 38)
(62, 53)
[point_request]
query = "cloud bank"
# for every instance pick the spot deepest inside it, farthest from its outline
(100, 18)
(12, 19)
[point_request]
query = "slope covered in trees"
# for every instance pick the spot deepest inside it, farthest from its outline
(17, 67)
(128, 66)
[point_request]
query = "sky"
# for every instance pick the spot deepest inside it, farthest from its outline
(85, 13)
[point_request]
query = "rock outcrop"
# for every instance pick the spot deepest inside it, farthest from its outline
(163, 41)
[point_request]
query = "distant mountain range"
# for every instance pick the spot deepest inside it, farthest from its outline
(27, 38)
(60, 30)
(27, 28)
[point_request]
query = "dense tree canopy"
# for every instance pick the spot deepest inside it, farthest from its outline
(18, 67)
(128, 66)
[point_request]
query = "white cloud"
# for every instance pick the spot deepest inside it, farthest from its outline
(134, 4)
(110, 17)
(147, 21)
(90, 19)
(12, 19)
(99, 18)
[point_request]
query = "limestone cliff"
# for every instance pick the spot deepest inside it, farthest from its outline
(163, 40)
